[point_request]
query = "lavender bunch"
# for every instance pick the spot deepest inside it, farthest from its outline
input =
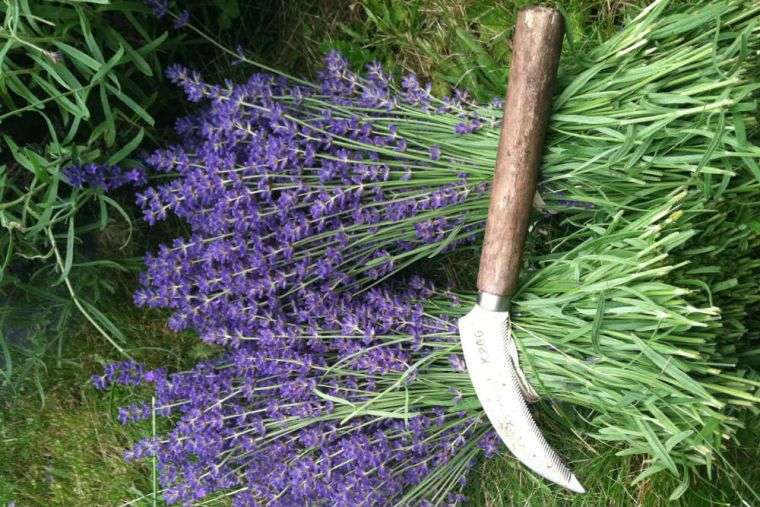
(294, 417)
(275, 206)
(345, 398)
(287, 183)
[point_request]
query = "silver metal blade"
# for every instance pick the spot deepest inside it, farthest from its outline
(486, 338)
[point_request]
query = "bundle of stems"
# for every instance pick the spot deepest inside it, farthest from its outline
(635, 319)
(367, 399)
(352, 179)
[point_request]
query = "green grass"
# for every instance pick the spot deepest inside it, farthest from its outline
(501, 481)
(463, 44)
(448, 42)
(60, 441)
(67, 452)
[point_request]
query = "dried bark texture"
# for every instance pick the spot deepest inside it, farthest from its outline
(537, 44)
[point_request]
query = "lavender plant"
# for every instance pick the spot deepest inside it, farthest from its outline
(352, 179)
(366, 399)
(295, 192)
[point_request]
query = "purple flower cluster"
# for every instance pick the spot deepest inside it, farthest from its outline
(128, 373)
(281, 195)
(294, 194)
(183, 18)
(277, 420)
(160, 8)
(106, 177)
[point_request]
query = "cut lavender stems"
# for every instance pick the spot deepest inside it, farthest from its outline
(302, 198)
(352, 179)
(349, 398)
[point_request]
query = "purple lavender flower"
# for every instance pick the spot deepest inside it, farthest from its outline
(473, 124)
(491, 443)
(457, 363)
(190, 81)
(159, 7)
(414, 93)
(234, 415)
(106, 177)
(182, 19)
(127, 372)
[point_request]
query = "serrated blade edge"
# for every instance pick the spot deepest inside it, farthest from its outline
(485, 337)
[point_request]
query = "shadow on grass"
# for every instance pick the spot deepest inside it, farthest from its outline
(60, 440)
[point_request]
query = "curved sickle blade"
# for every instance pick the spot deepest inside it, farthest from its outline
(485, 336)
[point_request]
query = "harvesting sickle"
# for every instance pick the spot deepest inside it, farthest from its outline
(487, 342)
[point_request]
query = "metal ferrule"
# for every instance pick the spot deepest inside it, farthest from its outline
(492, 302)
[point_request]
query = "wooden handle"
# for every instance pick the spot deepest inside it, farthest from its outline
(536, 45)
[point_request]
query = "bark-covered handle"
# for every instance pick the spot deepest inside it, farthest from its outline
(536, 46)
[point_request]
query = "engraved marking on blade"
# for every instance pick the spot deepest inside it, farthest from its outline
(497, 384)
(482, 349)
(507, 427)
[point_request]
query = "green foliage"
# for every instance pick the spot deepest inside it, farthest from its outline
(457, 44)
(76, 86)
(501, 481)
(68, 97)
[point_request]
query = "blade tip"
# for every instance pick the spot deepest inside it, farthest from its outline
(575, 485)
